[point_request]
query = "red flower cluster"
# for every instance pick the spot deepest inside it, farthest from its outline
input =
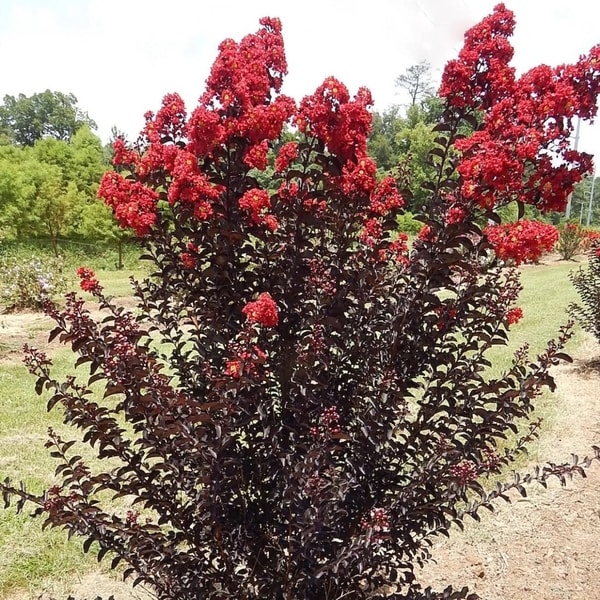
(257, 203)
(455, 215)
(514, 315)
(287, 154)
(340, 123)
(189, 184)
(386, 197)
(239, 103)
(242, 110)
(133, 203)
(524, 241)
(481, 76)
(426, 234)
(263, 311)
(88, 282)
(240, 88)
(256, 157)
(523, 149)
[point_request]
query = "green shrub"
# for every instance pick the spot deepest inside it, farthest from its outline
(408, 224)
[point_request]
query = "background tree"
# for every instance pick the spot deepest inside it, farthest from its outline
(44, 205)
(382, 143)
(417, 82)
(11, 190)
(415, 140)
(47, 189)
(404, 143)
(95, 221)
(27, 119)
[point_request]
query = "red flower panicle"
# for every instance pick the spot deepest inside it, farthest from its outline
(88, 281)
(514, 315)
(341, 123)
(287, 154)
(522, 151)
(263, 311)
(133, 203)
(258, 203)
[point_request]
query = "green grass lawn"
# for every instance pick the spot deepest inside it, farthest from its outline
(32, 559)
(547, 293)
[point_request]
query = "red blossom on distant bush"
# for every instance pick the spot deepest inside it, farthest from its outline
(571, 240)
(263, 311)
(523, 241)
(590, 238)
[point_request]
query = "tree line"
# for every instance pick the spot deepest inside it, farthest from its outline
(51, 163)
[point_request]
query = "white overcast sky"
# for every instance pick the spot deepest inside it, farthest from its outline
(119, 57)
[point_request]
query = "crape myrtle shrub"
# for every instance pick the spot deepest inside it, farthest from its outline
(587, 283)
(302, 404)
(571, 240)
(575, 239)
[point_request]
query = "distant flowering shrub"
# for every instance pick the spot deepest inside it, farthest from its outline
(301, 403)
(26, 283)
(571, 240)
(591, 238)
(523, 241)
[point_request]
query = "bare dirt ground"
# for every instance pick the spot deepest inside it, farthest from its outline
(543, 547)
